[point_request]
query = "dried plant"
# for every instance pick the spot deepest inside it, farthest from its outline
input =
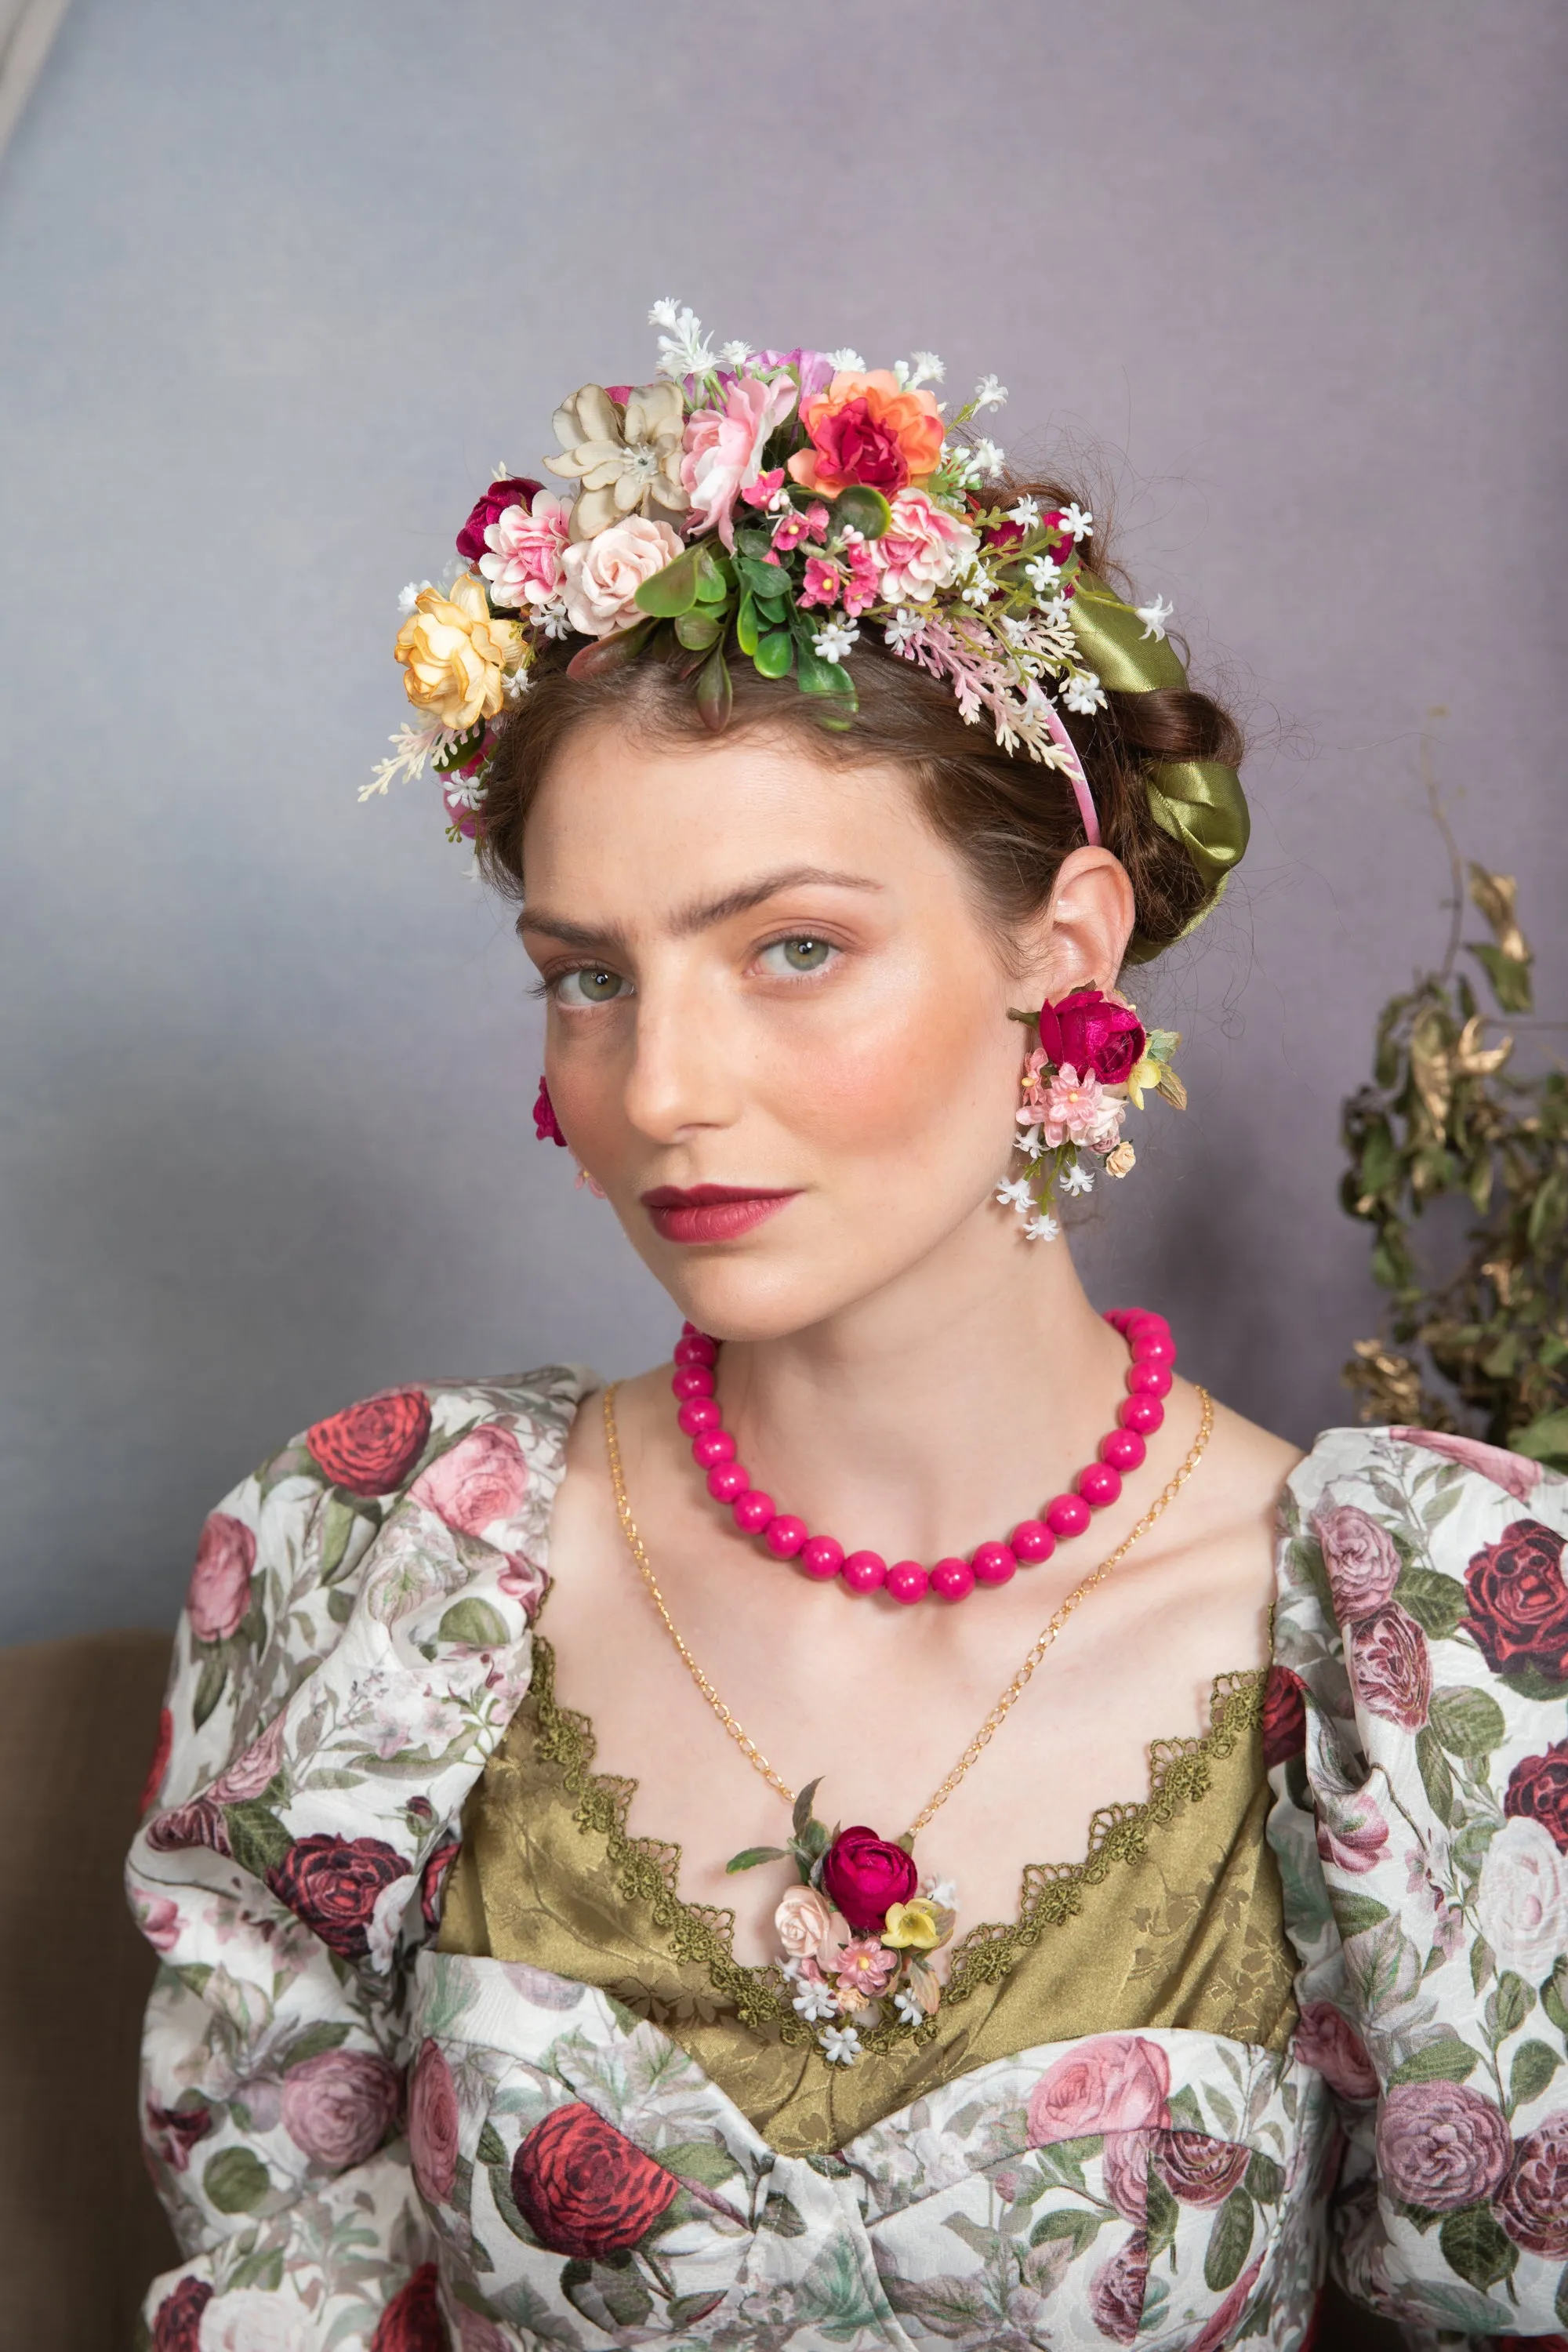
(1447, 1117)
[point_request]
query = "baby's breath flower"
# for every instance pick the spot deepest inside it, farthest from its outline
(1083, 695)
(850, 361)
(1154, 617)
(833, 640)
(988, 394)
(1076, 521)
(840, 2045)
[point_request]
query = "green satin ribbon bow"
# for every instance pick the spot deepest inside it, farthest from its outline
(1199, 803)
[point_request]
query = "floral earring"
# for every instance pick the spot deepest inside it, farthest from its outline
(1093, 1059)
(547, 1130)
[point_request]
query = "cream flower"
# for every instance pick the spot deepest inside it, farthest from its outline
(1122, 1161)
(600, 577)
(627, 464)
(801, 1921)
(455, 657)
(1522, 1899)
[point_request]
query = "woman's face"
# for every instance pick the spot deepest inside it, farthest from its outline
(770, 987)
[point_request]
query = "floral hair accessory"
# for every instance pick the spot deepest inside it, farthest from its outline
(770, 507)
(1094, 1059)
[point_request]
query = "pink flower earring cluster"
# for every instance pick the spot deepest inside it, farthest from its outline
(1094, 1060)
(547, 1130)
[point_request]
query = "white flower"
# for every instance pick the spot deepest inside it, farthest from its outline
(840, 2045)
(1042, 572)
(909, 2006)
(516, 683)
(1026, 513)
(979, 587)
(1154, 617)
(1082, 693)
(847, 359)
(1075, 519)
(551, 619)
(989, 393)
(1030, 1142)
(249, 2319)
(734, 355)
(1015, 1195)
(406, 595)
(663, 314)
(989, 459)
(1041, 1229)
(833, 640)
(945, 1892)
(1521, 1898)
(1077, 1180)
(683, 350)
(924, 368)
(902, 628)
(465, 791)
(816, 2001)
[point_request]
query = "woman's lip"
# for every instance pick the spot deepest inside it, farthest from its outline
(708, 1213)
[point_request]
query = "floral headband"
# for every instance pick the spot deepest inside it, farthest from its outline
(767, 506)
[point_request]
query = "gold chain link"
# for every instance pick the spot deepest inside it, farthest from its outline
(1010, 1697)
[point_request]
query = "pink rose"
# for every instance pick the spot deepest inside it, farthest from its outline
(1362, 1565)
(171, 2132)
(1513, 1472)
(433, 2125)
(1116, 2290)
(924, 549)
(1390, 1669)
(250, 1771)
(339, 2105)
(863, 1874)
(724, 450)
(159, 1920)
(1357, 1838)
(506, 490)
(523, 1580)
(601, 575)
(1533, 2204)
(1218, 2334)
(1127, 2155)
(1199, 2168)
(1074, 1110)
(480, 1479)
(1117, 2081)
(525, 548)
(801, 1921)
(1327, 2042)
(220, 1580)
(1441, 2146)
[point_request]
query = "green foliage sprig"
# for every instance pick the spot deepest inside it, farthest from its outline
(1447, 1117)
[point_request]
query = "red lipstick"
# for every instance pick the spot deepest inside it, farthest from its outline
(708, 1213)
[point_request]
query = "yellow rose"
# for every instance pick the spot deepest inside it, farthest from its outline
(913, 1927)
(454, 656)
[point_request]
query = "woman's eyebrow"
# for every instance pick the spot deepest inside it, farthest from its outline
(704, 913)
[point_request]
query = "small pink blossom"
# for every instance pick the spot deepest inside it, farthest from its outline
(523, 566)
(924, 549)
(765, 489)
(863, 586)
(724, 450)
(1076, 1110)
(823, 583)
(159, 1920)
(791, 528)
(1357, 1838)
(865, 1969)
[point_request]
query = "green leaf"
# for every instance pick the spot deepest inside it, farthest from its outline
(312, 2041)
(1535, 2064)
(491, 2148)
(1533, 1681)
(775, 657)
(1264, 2180)
(235, 2180)
(1483, 1960)
(800, 1815)
(830, 679)
(1467, 1722)
(609, 2292)
(1436, 1601)
(714, 691)
(1560, 2302)
(1081, 2228)
(1445, 2061)
(1436, 1777)
(1185, 2111)
(860, 508)
(698, 631)
(474, 1623)
(753, 1854)
(707, 2162)
(747, 633)
(340, 1605)
(1163, 2218)
(209, 1688)
(1508, 975)
(766, 580)
(715, 577)
(257, 1837)
(1229, 2240)
(1354, 1914)
(1474, 2246)
(1545, 1439)
(610, 653)
(338, 1522)
(1554, 1997)
(264, 2271)
(1508, 2006)
(672, 591)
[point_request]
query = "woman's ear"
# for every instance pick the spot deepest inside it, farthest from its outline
(1079, 938)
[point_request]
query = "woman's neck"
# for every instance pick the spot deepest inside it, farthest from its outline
(938, 1411)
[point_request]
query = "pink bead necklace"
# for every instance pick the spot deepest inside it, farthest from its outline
(1153, 1352)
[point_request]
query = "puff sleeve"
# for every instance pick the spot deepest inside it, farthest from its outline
(355, 1639)
(1417, 1738)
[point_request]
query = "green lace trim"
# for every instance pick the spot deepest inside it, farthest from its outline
(648, 1870)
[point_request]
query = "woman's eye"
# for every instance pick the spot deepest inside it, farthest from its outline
(591, 984)
(803, 954)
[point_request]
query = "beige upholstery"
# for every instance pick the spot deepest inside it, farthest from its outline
(80, 2231)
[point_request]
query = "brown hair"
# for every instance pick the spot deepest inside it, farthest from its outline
(1011, 820)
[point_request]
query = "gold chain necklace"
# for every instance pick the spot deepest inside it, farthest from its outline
(1010, 1697)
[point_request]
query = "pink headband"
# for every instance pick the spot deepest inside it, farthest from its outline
(1074, 771)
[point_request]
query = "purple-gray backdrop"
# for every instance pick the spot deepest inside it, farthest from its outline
(278, 284)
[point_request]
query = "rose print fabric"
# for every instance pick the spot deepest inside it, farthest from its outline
(367, 2142)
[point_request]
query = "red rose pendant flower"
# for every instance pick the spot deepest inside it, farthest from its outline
(1089, 1032)
(863, 1874)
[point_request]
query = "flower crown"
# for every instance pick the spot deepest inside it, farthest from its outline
(767, 506)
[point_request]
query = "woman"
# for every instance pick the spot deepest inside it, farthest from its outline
(600, 1905)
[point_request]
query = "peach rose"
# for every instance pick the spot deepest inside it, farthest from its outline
(455, 657)
(601, 576)
(867, 429)
(220, 1580)
(802, 1921)
(480, 1479)
(1117, 2081)
(924, 549)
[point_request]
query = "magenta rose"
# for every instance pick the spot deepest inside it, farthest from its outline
(339, 2105)
(1441, 2146)
(506, 490)
(1117, 2081)
(1519, 1602)
(433, 2125)
(1199, 2169)
(481, 1478)
(545, 1123)
(220, 1580)
(864, 1874)
(1362, 1565)
(172, 2132)
(371, 1448)
(432, 1881)
(177, 2322)
(333, 1885)
(1284, 1717)
(1390, 1669)
(1116, 2290)
(1514, 1473)
(159, 1765)
(1326, 2041)
(412, 2321)
(1532, 2203)
(1538, 1792)
(856, 446)
(584, 2188)
(1093, 1032)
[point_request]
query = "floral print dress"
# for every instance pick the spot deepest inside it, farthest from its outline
(368, 2143)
